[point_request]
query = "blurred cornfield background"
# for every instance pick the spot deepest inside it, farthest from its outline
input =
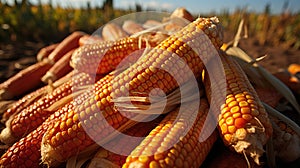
(24, 21)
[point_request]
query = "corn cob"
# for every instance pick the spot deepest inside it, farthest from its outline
(26, 152)
(59, 69)
(132, 27)
(113, 32)
(23, 102)
(32, 116)
(74, 135)
(294, 69)
(69, 43)
(28, 78)
(30, 98)
(151, 23)
(88, 39)
(242, 120)
(44, 52)
(103, 57)
(182, 13)
(104, 158)
(286, 141)
(148, 78)
(179, 18)
(174, 142)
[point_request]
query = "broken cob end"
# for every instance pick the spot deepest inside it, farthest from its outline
(49, 156)
(250, 141)
(7, 137)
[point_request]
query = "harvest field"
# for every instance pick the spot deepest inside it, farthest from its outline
(50, 117)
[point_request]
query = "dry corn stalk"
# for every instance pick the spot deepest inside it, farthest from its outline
(242, 120)
(175, 141)
(32, 116)
(190, 44)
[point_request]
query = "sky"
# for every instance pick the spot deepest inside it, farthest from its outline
(194, 6)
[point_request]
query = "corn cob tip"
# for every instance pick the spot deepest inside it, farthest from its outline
(7, 137)
(5, 95)
(49, 156)
(212, 27)
(49, 76)
(251, 143)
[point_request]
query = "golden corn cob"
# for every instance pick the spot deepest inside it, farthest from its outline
(30, 98)
(24, 102)
(26, 153)
(111, 158)
(175, 141)
(32, 116)
(242, 120)
(142, 77)
(103, 57)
